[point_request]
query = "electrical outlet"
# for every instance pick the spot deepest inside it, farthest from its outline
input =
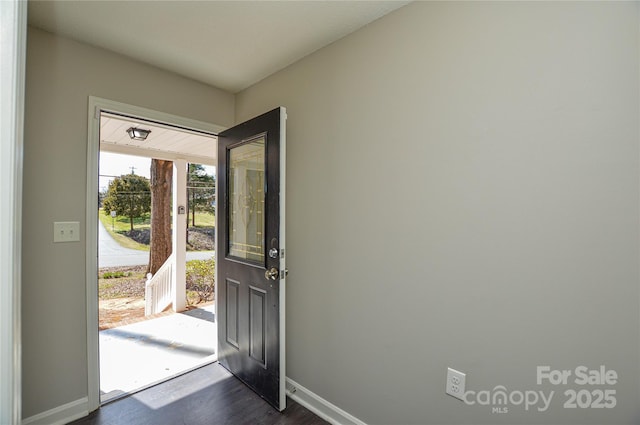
(456, 383)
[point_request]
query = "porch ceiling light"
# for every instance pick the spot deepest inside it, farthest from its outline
(138, 133)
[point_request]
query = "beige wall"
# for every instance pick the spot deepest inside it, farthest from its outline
(61, 75)
(463, 191)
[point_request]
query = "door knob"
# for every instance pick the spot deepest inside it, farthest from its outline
(271, 274)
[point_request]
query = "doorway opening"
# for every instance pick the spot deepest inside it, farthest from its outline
(254, 325)
(141, 346)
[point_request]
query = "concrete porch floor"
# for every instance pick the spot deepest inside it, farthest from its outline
(142, 354)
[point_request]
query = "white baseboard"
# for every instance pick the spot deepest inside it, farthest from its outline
(321, 407)
(80, 408)
(61, 415)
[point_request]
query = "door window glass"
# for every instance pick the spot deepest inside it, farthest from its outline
(246, 200)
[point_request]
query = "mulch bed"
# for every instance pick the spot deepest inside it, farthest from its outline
(198, 238)
(121, 299)
(122, 287)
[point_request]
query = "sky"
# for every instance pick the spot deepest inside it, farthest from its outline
(113, 164)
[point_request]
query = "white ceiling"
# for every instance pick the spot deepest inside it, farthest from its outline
(228, 44)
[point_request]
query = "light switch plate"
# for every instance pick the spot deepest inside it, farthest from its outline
(66, 231)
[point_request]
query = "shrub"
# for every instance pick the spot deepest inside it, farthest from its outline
(200, 278)
(115, 275)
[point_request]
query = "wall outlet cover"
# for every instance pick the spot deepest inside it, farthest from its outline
(456, 381)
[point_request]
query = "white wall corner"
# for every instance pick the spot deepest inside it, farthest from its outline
(60, 415)
(321, 407)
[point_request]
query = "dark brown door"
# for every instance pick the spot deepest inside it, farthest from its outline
(250, 254)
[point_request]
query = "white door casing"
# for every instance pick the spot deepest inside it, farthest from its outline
(96, 106)
(13, 26)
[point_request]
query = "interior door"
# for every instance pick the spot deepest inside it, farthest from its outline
(250, 284)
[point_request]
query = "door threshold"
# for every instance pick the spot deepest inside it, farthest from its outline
(117, 395)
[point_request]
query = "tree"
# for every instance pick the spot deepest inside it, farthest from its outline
(160, 246)
(129, 196)
(200, 191)
(101, 195)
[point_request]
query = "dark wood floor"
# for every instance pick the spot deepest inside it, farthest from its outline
(209, 395)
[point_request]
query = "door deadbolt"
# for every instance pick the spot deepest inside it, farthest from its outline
(271, 274)
(273, 253)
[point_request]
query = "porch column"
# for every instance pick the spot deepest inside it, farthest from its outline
(179, 234)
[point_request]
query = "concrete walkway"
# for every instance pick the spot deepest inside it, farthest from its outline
(111, 254)
(137, 356)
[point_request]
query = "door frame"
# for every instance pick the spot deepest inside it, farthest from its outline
(13, 19)
(96, 106)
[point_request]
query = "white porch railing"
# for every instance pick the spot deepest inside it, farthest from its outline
(158, 289)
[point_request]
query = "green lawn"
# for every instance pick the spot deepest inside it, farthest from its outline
(116, 227)
(204, 220)
(121, 225)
